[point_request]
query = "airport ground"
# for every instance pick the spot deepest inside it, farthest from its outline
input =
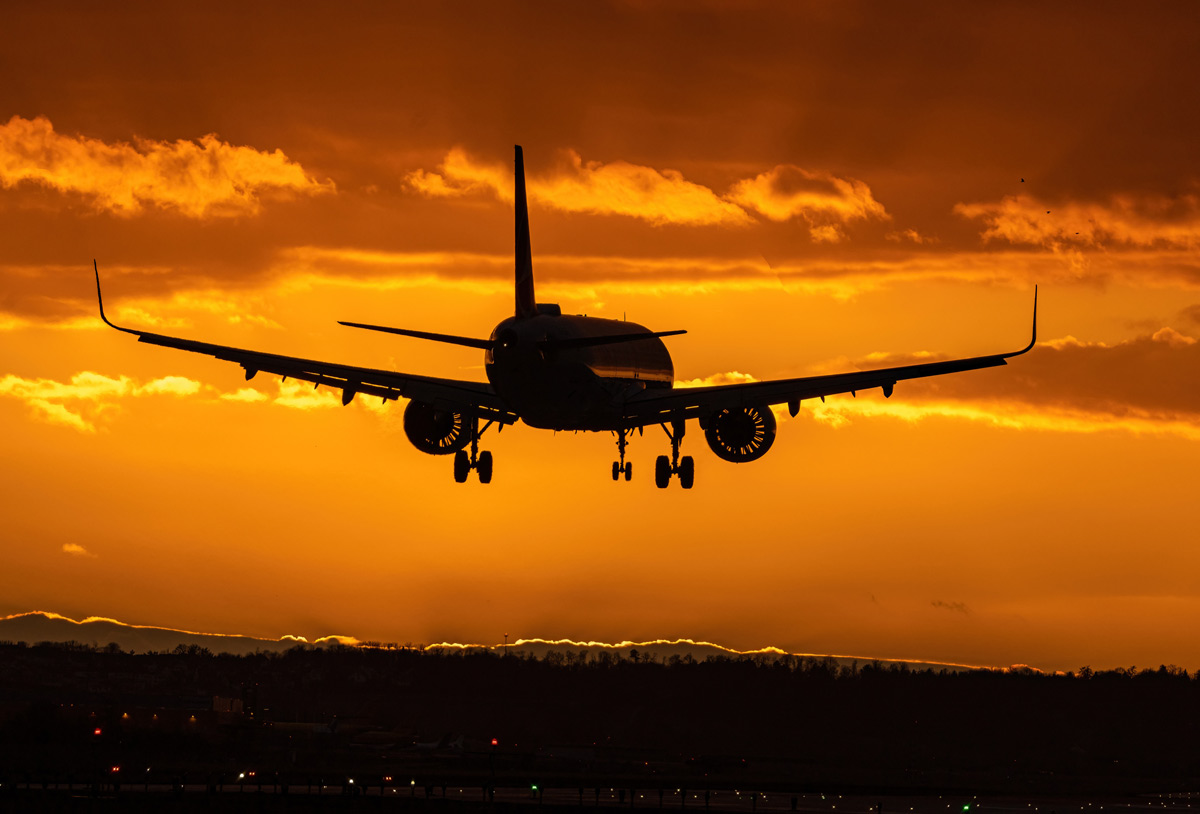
(93, 729)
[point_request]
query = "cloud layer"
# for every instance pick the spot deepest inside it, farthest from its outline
(1144, 385)
(1124, 221)
(199, 179)
(824, 201)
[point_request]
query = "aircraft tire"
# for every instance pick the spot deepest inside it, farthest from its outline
(662, 471)
(462, 466)
(484, 467)
(687, 471)
(616, 471)
(628, 471)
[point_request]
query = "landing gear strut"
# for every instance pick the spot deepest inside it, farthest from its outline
(481, 462)
(621, 467)
(684, 467)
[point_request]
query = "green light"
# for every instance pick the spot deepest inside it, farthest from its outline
(534, 787)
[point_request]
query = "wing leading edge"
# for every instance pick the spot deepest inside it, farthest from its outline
(653, 406)
(462, 396)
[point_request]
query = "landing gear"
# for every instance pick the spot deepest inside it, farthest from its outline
(621, 466)
(687, 471)
(481, 462)
(684, 467)
(662, 471)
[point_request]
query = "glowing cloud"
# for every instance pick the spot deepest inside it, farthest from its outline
(199, 179)
(76, 550)
(617, 188)
(732, 377)
(303, 396)
(821, 199)
(96, 391)
(1147, 221)
(246, 394)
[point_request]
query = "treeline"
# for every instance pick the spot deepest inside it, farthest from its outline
(723, 717)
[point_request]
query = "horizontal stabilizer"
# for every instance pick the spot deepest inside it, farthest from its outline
(482, 344)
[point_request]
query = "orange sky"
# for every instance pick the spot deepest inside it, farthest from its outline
(806, 188)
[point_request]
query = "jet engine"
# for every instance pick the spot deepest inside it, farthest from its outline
(740, 434)
(433, 430)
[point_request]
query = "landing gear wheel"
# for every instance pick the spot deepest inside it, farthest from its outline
(484, 467)
(687, 471)
(616, 471)
(628, 471)
(462, 466)
(662, 471)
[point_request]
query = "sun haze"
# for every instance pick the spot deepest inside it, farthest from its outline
(805, 188)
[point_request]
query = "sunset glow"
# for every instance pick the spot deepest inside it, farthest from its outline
(806, 189)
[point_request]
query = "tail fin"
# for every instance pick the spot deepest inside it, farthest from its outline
(526, 305)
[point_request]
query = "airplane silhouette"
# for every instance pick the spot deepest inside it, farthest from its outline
(559, 372)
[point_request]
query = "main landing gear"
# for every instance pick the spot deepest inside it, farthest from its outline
(665, 467)
(621, 467)
(481, 462)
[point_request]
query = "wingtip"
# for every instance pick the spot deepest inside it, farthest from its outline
(1033, 340)
(100, 302)
(99, 296)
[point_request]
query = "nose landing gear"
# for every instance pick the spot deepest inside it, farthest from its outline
(621, 467)
(481, 462)
(684, 467)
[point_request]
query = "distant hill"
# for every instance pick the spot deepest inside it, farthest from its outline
(662, 650)
(41, 626)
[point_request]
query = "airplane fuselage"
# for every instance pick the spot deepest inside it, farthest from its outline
(553, 385)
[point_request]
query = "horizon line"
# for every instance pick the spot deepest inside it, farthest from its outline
(353, 641)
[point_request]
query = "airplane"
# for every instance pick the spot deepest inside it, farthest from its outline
(559, 372)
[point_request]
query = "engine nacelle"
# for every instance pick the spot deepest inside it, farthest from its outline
(433, 430)
(741, 434)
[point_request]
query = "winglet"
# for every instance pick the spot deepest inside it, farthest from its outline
(1033, 340)
(100, 300)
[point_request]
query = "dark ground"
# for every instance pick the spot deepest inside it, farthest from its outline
(412, 728)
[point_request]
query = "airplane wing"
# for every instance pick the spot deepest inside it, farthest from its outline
(475, 398)
(659, 406)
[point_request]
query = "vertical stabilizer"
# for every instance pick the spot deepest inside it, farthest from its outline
(526, 306)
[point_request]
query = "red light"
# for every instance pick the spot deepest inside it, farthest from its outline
(96, 731)
(116, 769)
(495, 741)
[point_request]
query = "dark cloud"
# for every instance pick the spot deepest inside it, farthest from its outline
(1154, 374)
